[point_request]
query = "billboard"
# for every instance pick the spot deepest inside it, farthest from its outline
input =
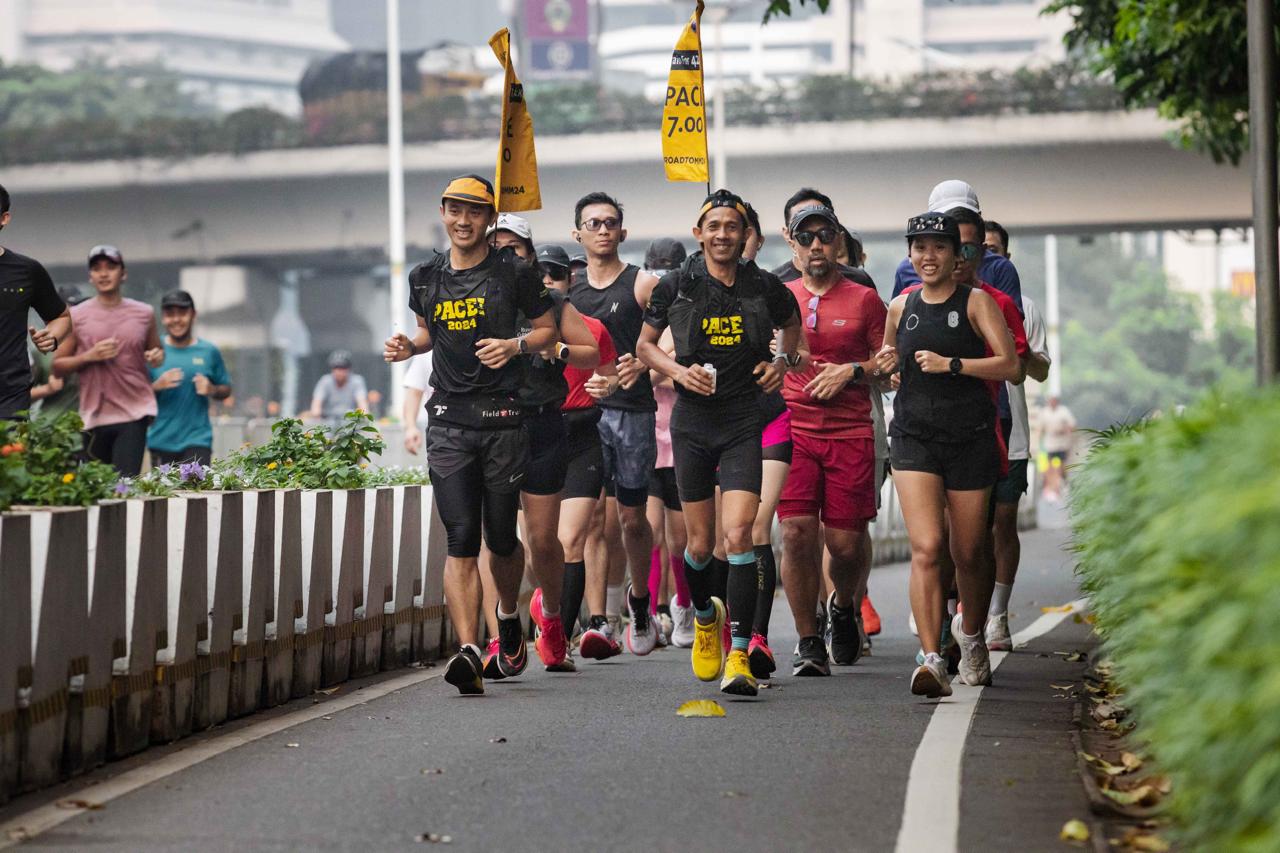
(558, 38)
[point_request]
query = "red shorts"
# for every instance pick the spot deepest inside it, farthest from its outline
(831, 478)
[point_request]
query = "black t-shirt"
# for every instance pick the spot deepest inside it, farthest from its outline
(544, 384)
(788, 272)
(24, 285)
(724, 342)
(616, 307)
(466, 306)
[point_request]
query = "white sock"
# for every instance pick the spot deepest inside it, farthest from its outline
(504, 616)
(1000, 599)
(613, 600)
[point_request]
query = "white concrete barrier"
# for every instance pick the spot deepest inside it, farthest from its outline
(346, 584)
(315, 566)
(248, 650)
(224, 607)
(376, 549)
(145, 604)
(429, 615)
(186, 619)
(287, 601)
(406, 572)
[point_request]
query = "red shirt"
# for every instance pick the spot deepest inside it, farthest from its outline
(849, 326)
(577, 377)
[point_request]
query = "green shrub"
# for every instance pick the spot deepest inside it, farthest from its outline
(41, 464)
(1177, 528)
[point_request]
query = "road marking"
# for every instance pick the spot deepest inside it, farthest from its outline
(46, 817)
(931, 811)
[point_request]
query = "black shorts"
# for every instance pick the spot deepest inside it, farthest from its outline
(503, 454)
(584, 477)
(726, 441)
(964, 466)
(548, 453)
(662, 484)
(1010, 489)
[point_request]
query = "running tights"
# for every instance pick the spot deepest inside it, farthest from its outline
(467, 506)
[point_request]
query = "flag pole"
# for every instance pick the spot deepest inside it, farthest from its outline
(395, 200)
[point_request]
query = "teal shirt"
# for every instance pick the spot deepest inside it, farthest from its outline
(182, 415)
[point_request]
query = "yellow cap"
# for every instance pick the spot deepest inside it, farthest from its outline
(472, 189)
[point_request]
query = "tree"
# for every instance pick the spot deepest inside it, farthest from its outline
(783, 7)
(1187, 58)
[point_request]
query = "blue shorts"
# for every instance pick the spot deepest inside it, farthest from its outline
(630, 444)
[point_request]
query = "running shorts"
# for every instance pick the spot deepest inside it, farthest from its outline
(630, 444)
(776, 440)
(548, 453)
(964, 466)
(584, 477)
(503, 454)
(727, 440)
(833, 479)
(662, 484)
(1010, 489)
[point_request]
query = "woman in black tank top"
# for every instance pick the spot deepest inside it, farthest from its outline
(943, 444)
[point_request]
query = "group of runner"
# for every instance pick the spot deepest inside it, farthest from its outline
(650, 423)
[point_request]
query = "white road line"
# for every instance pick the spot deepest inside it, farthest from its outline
(46, 817)
(931, 811)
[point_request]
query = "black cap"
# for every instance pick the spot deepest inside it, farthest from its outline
(339, 358)
(934, 224)
(107, 251)
(800, 214)
(664, 254)
(579, 259)
(553, 255)
(71, 295)
(177, 299)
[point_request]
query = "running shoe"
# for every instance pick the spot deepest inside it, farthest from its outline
(513, 654)
(548, 634)
(760, 656)
(642, 629)
(810, 658)
(950, 649)
(597, 641)
(708, 646)
(975, 663)
(844, 644)
(615, 624)
(463, 671)
(664, 628)
(998, 639)
(738, 679)
(863, 638)
(822, 621)
(682, 626)
(930, 678)
(492, 671)
(870, 618)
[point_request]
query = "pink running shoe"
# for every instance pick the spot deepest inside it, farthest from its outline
(549, 637)
(760, 656)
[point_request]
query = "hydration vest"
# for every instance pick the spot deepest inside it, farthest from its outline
(689, 308)
(500, 319)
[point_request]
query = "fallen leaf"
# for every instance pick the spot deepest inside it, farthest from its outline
(1078, 619)
(432, 771)
(1146, 843)
(80, 804)
(329, 691)
(732, 794)
(1061, 608)
(433, 838)
(1074, 830)
(1062, 686)
(328, 718)
(700, 708)
(1130, 761)
(1104, 711)
(1074, 657)
(1091, 619)
(1143, 795)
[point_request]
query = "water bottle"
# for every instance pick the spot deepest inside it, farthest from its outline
(711, 368)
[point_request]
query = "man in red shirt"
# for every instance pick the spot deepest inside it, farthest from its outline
(832, 477)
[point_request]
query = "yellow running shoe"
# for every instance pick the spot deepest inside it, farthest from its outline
(708, 648)
(738, 679)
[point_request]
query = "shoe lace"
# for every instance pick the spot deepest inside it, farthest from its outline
(706, 642)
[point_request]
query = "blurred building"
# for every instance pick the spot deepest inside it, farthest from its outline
(235, 53)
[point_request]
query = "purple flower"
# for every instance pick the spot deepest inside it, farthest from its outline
(122, 488)
(191, 471)
(164, 469)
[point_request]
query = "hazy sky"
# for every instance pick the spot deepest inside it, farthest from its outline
(422, 22)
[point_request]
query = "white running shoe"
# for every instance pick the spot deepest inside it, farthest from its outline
(642, 630)
(930, 678)
(975, 663)
(682, 626)
(664, 629)
(998, 639)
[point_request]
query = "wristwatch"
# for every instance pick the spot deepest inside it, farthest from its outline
(956, 366)
(522, 345)
(562, 351)
(858, 372)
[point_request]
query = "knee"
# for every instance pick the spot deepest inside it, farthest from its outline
(737, 538)
(762, 531)
(795, 535)
(634, 524)
(543, 545)
(926, 551)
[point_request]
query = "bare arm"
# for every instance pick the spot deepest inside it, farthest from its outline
(68, 360)
(1037, 367)
(55, 331)
(584, 352)
(645, 283)
(694, 378)
(409, 417)
(1002, 366)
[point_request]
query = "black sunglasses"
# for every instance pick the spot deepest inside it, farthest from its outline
(806, 238)
(554, 271)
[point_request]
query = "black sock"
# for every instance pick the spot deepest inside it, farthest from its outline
(767, 577)
(575, 584)
(639, 611)
(720, 578)
(743, 582)
(701, 585)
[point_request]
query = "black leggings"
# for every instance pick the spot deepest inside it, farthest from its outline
(120, 445)
(465, 505)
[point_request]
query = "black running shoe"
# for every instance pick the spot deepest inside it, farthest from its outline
(810, 658)
(845, 643)
(463, 672)
(513, 654)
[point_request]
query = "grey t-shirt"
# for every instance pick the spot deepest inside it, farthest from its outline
(336, 402)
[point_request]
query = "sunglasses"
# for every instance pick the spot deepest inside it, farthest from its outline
(811, 322)
(970, 251)
(610, 224)
(554, 271)
(806, 238)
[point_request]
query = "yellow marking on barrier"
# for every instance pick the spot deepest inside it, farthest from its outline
(8, 721)
(97, 697)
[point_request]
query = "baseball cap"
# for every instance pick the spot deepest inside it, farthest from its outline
(71, 295)
(553, 255)
(177, 299)
(934, 224)
(514, 223)
(951, 194)
(339, 358)
(808, 212)
(579, 259)
(469, 188)
(107, 251)
(664, 254)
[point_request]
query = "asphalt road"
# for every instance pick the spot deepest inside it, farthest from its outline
(599, 758)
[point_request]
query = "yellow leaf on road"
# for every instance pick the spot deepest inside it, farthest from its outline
(1061, 608)
(1074, 830)
(1130, 761)
(700, 708)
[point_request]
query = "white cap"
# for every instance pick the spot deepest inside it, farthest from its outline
(514, 223)
(951, 194)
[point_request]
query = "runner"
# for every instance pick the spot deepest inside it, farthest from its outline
(944, 450)
(514, 231)
(615, 293)
(194, 374)
(113, 343)
(339, 391)
(1057, 426)
(834, 476)
(467, 301)
(584, 476)
(51, 396)
(793, 269)
(722, 312)
(24, 285)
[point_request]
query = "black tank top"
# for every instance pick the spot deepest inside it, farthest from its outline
(544, 385)
(940, 406)
(615, 306)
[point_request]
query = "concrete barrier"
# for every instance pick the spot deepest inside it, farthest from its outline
(287, 580)
(406, 572)
(248, 650)
(145, 604)
(429, 611)
(315, 563)
(15, 642)
(375, 563)
(347, 580)
(186, 619)
(224, 554)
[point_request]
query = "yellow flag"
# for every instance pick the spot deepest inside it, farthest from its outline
(516, 179)
(684, 116)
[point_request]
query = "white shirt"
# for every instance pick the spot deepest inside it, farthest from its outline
(1020, 437)
(418, 377)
